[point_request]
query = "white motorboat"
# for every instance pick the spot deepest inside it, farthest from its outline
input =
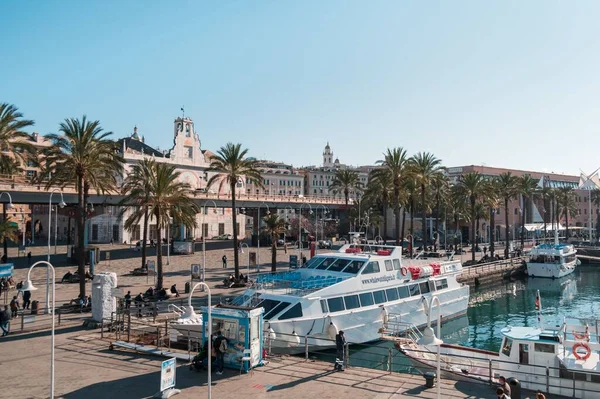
(562, 360)
(355, 289)
(552, 260)
(188, 323)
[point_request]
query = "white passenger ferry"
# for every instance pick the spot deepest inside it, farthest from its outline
(355, 289)
(552, 260)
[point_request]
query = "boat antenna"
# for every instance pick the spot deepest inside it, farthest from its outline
(538, 308)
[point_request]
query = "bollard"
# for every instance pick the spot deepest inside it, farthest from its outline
(306, 347)
(491, 374)
(346, 355)
(430, 379)
(102, 329)
(515, 388)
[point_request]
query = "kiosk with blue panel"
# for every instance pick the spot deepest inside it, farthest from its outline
(243, 329)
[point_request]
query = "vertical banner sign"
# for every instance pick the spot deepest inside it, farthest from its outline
(167, 374)
(252, 258)
(195, 272)
(151, 268)
(293, 261)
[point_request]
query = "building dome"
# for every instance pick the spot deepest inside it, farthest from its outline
(135, 134)
(337, 161)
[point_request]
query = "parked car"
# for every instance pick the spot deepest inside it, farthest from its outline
(280, 242)
(222, 237)
(324, 244)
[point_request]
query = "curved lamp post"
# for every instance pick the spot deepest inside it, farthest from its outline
(300, 231)
(190, 312)
(28, 286)
(258, 236)
(323, 213)
(204, 237)
(429, 338)
(62, 205)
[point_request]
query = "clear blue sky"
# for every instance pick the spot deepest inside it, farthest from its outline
(505, 83)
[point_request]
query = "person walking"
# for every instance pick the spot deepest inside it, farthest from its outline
(14, 307)
(220, 350)
(29, 258)
(340, 344)
(174, 290)
(26, 299)
(5, 321)
(224, 259)
(128, 300)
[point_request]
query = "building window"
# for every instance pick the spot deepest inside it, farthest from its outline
(189, 152)
(205, 230)
(221, 229)
(187, 131)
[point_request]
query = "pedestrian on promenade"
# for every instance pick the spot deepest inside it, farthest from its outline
(224, 259)
(340, 344)
(220, 350)
(29, 258)
(504, 385)
(5, 321)
(174, 290)
(128, 300)
(26, 299)
(14, 306)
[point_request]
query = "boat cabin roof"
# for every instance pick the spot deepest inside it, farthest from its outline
(530, 334)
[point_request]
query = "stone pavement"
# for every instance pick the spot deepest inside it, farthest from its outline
(86, 369)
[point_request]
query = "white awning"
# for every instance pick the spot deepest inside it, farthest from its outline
(540, 226)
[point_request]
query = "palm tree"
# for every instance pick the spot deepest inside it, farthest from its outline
(8, 231)
(491, 200)
(230, 166)
(274, 226)
(508, 190)
(345, 181)
(457, 208)
(394, 163)
(528, 188)
(136, 189)
(83, 155)
(595, 198)
(13, 139)
(379, 190)
(424, 168)
(169, 198)
(480, 213)
(472, 187)
(545, 193)
(441, 193)
(567, 205)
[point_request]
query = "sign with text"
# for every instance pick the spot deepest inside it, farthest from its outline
(252, 257)
(151, 265)
(293, 261)
(167, 374)
(196, 271)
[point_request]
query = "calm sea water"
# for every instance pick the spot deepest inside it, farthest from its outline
(493, 307)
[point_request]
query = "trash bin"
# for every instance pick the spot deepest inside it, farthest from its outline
(35, 305)
(429, 379)
(187, 287)
(515, 388)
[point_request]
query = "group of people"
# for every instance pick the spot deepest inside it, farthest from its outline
(6, 283)
(219, 344)
(504, 391)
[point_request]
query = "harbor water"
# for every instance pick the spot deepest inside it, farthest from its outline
(493, 307)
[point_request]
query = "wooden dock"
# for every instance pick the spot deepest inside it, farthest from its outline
(486, 272)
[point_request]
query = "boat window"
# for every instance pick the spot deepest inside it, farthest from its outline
(414, 290)
(388, 265)
(403, 291)
(326, 263)
(294, 312)
(366, 299)
(268, 305)
(524, 353)
(431, 285)
(392, 294)
(354, 266)
(339, 265)
(351, 302)
(424, 287)
(324, 307)
(379, 296)
(397, 264)
(275, 311)
(314, 262)
(335, 304)
(441, 284)
(372, 267)
(506, 348)
(544, 348)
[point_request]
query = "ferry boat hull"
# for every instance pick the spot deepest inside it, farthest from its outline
(550, 270)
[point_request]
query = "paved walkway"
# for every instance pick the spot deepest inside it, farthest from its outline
(86, 369)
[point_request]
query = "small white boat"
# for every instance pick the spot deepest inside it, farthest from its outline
(188, 324)
(552, 260)
(564, 360)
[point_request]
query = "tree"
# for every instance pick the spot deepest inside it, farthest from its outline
(491, 200)
(424, 168)
(472, 187)
(566, 205)
(380, 190)
(231, 166)
(345, 181)
(507, 189)
(545, 193)
(441, 193)
(83, 155)
(8, 231)
(136, 189)
(528, 188)
(169, 198)
(306, 225)
(394, 163)
(274, 227)
(14, 144)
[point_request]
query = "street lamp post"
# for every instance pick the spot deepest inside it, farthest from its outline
(55, 230)
(258, 234)
(62, 205)
(242, 249)
(170, 220)
(300, 231)
(190, 311)
(204, 237)
(323, 213)
(4, 208)
(28, 286)
(429, 338)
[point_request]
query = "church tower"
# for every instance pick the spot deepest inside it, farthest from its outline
(327, 157)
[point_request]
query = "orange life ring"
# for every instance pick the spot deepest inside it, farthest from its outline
(586, 355)
(404, 271)
(583, 336)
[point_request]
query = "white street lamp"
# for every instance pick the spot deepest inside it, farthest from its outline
(258, 234)
(300, 231)
(62, 205)
(323, 213)
(170, 221)
(28, 286)
(204, 237)
(242, 250)
(189, 313)
(429, 338)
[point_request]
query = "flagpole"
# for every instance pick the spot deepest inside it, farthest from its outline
(538, 307)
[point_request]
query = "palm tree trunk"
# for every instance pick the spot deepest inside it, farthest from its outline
(473, 215)
(437, 222)
(159, 265)
(402, 227)
(492, 231)
(145, 237)
(412, 215)
(523, 213)
(273, 253)
(567, 223)
(81, 235)
(423, 217)
(236, 260)
(506, 246)
(385, 212)
(397, 222)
